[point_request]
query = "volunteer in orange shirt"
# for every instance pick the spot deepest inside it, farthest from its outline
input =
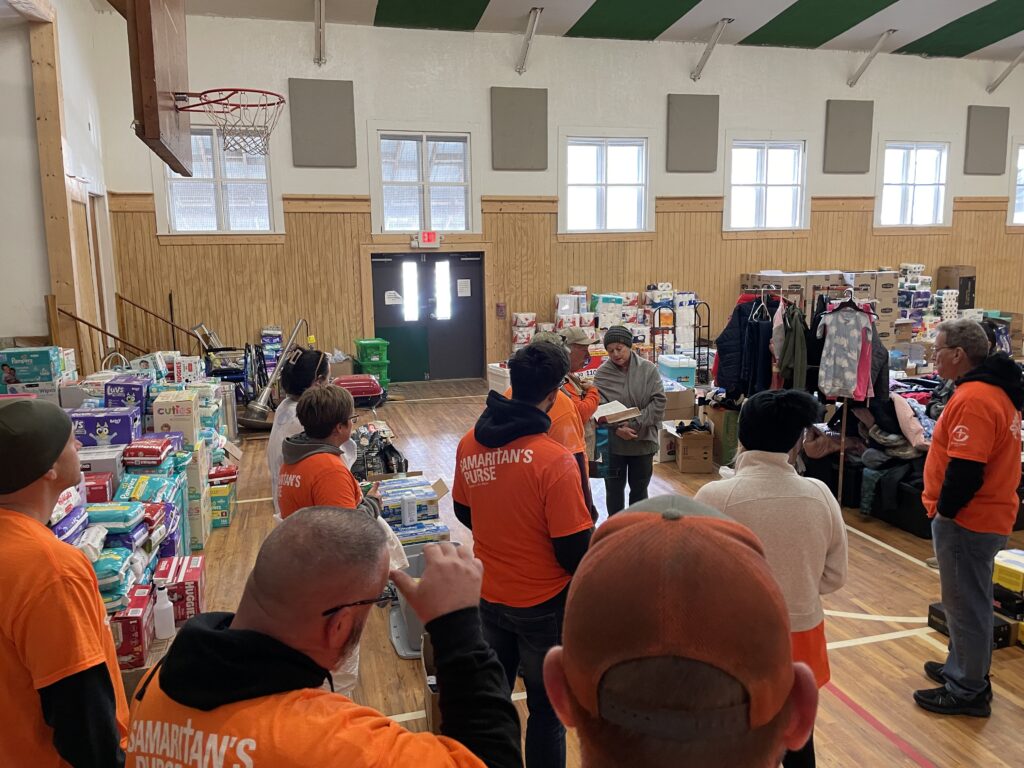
(568, 426)
(971, 478)
(60, 686)
(655, 670)
(314, 472)
(246, 686)
(520, 492)
(583, 392)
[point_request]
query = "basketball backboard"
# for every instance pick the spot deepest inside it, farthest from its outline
(159, 65)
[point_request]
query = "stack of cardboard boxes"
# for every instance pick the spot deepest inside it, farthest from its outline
(38, 371)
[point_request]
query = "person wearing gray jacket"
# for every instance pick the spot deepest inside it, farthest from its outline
(636, 383)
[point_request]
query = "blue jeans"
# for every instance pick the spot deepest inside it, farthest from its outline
(522, 637)
(966, 561)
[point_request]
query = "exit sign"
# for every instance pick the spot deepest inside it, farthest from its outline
(427, 239)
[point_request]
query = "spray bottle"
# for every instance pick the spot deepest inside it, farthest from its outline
(164, 612)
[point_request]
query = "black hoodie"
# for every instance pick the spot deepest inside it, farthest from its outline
(963, 477)
(210, 665)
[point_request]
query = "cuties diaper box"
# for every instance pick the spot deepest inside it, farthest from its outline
(106, 426)
(178, 412)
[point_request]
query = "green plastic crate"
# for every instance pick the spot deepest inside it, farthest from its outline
(372, 350)
(378, 368)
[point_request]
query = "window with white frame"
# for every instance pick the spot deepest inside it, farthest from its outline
(914, 184)
(425, 182)
(1018, 190)
(766, 185)
(606, 185)
(229, 191)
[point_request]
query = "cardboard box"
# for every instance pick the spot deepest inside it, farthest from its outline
(131, 678)
(197, 473)
(178, 412)
(666, 442)
(99, 487)
(43, 390)
(223, 504)
(28, 365)
(962, 278)
(431, 693)
(344, 368)
(1008, 602)
(694, 452)
(68, 362)
(189, 369)
(185, 578)
(422, 533)
(200, 520)
(103, 459)
(903, 331)
(133, 628)
(106, 426)
(726, 426)
(1009, 570)
(1004, 632)
(126, 392)
(428, 496)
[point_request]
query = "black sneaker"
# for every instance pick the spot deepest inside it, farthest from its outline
(933, 669)
(942, 702)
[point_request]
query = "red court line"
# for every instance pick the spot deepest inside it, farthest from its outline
(902, 745)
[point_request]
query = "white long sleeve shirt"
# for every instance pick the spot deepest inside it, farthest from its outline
(799, 523)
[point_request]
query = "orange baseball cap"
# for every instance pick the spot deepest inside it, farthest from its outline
(669, 577)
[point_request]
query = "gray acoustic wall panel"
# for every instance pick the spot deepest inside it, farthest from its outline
(987, 131)
(519, 129)
(692, 136)
(848, 126)
(323, 123)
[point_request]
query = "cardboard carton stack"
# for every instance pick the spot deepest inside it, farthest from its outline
(38, 371)
(428, 526)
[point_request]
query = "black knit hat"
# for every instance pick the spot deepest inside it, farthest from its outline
(618, 334)
(33, 434)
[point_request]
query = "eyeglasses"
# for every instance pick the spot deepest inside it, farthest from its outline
(383, 600)
(353, 419)
(936, 350)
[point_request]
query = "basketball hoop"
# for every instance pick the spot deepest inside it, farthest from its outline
(245, 117)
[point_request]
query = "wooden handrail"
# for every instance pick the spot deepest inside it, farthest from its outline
(191, 335)
(102, 331)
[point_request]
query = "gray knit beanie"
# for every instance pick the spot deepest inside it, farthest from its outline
(618, 334)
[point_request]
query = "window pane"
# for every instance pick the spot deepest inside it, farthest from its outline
(400, 159)
(581, 211)
(745, 161)
(781, 208)
(240, 165)
(928, 166)
(443, 291)
(583, 163)
(895, 166)
(193, 206)
(402, 208)
(892, 205)
(925, 205)
(1018, 209)
(625, 207)
(447, 208)
(247, 207)
(447, 160)
(410, 291)
(1020, 165)
(625, 164)
(202, 156)
(743, 207)
(783, 165)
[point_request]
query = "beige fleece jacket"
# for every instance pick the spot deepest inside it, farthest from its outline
(798, 521)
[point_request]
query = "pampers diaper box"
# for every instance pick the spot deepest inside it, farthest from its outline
(106, 426)
(126, 392)
(29, 365)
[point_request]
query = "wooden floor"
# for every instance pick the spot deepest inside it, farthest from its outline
(876, 626)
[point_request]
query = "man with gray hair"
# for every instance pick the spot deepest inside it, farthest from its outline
(971, 478)
(247, 686)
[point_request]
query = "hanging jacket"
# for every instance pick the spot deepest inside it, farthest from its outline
(793, 355)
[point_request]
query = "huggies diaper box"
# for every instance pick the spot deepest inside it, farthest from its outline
(106, 426)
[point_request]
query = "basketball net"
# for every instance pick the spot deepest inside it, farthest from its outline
(245, 117)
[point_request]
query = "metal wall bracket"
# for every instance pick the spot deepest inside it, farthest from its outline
(1006, 73)
(531, 30)
(870, 57)
(320, 32)
(715, 36)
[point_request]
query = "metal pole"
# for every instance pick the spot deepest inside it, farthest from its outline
(320, 33)
(871, 55)
(1006, 73)
(531, 30)
(174, 331)
(715, 36)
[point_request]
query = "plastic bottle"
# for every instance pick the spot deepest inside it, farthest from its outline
(163, 613)
(408, 509)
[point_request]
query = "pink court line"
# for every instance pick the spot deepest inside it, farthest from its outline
(902, 745)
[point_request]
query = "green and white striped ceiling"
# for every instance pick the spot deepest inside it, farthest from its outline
(985, 29)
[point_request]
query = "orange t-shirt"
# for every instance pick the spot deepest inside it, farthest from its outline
(521, 496)
(978, 424)
(318, 480)
(811, 648)
(586, 404)
(52, 626)
(287, 730)
(566, 424)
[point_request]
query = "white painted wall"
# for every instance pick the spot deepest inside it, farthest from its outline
(407, 76)
(23, 263)
(23, 254)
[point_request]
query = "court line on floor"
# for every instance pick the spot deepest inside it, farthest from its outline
(254, 501)
(436, 399)
(419, 714)
(870, 639)
(901, 744)
(873, 617)
(890, 548)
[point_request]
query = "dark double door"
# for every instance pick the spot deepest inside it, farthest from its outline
(430, 308)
